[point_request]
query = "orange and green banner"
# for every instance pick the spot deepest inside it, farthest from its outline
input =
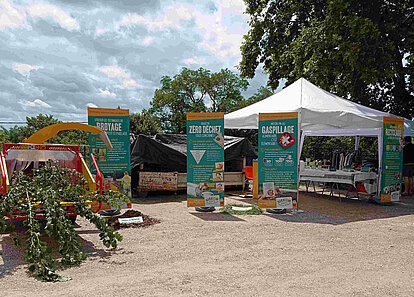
(205, 159)
(278, 160)
(114, 164)
(392, 156)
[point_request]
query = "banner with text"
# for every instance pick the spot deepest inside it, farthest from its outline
(114, 164)
(205, 159)
(278, 160)
(392, 155)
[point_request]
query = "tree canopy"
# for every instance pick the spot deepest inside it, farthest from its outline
(144, 123)
(196, 90)
(360, 50)
(17, 134)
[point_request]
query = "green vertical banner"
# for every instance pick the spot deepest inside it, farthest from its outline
(205, 159)
(278, 160)
(114, 164)
(392, 156)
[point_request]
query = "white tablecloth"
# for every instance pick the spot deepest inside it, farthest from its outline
(338, 176)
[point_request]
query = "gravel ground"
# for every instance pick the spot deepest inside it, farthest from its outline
(348, 248)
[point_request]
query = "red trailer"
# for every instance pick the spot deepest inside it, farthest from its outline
(26, 157)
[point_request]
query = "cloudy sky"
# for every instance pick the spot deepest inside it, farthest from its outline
(58, 58)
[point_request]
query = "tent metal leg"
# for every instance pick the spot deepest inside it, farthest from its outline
(339, 192)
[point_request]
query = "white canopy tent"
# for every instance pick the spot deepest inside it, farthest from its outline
(319, 110)
(320, 114)
(408, 127)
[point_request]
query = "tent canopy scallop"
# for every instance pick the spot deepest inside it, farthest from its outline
(319, 110)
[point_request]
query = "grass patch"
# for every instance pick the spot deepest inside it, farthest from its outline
(227, 209)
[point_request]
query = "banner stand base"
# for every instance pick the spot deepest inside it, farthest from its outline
(205, 209)
(110, 212)
(276, 211)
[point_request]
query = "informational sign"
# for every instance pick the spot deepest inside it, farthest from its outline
(278, 160)
(158, 181)
(205, 159)
(114, 164)
(134, 220)
(392, 156)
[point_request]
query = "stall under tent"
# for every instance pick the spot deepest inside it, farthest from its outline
(321, 113)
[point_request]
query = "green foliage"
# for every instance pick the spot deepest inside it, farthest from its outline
(361, 50)
(262, 93)
(17, 134)
(144, 123)
(318, 148)
(4, 136)
(195, 90)
(228, 209)
(50, 185)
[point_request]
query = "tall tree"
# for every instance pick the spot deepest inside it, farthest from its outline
(17, 134)
(361, 50)
(144, 123)
(224, 90)
(261, 93)
(195, 90)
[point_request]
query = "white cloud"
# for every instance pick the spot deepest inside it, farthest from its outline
(61, 17)
(24, 69)
(90, 104)
(221, 29)
(100, 31)
(11, 16)
(29, 103)
(130, 84)
(35, 103)
(194, 61)
(237, 6)
(41, 103)
(114, 71)
(171, 17)
(106, 94)
(147, 40)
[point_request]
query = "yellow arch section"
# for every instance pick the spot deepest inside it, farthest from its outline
(51, 131)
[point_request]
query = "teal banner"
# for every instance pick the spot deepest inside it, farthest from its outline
(392, 156)
(205, 159)
(114, 164)
(278, 160)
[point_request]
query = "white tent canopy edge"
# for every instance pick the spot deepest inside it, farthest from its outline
(320, 114)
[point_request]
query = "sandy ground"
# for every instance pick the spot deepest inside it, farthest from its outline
(348, 248)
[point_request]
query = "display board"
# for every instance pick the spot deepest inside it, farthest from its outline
(392, 157)
(278, 160)
(205, 159)
(114, 164)
(158, 181)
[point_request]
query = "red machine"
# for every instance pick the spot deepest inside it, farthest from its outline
(26, 157)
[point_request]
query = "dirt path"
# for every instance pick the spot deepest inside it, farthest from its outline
(332, 249)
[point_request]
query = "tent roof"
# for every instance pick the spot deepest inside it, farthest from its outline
(320, 110)
(408, 127)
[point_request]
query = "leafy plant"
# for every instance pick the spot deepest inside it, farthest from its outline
(228, 209)
(47, 187)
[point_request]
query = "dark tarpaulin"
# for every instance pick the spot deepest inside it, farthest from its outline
(169, 151)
